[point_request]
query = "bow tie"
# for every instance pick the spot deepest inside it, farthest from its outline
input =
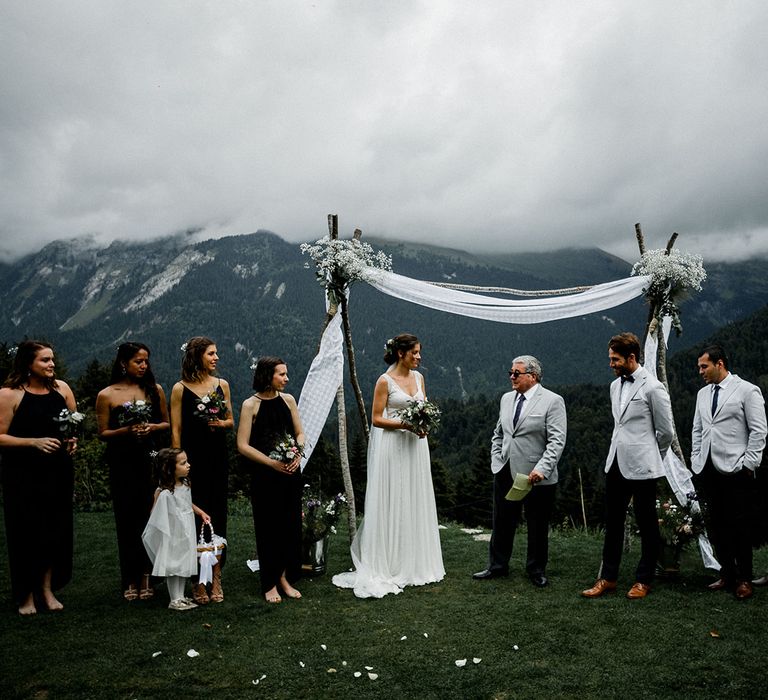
(627, 378)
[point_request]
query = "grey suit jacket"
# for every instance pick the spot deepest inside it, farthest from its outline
(643, 431)
(536, 442)
(735, 435)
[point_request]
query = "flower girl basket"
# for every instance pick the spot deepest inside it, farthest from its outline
(209, 552)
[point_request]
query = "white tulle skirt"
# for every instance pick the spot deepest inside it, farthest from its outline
(398, 542)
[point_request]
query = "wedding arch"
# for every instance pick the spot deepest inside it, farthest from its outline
(663, 276)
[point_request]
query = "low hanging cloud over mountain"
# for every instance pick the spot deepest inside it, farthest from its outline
(507, 125)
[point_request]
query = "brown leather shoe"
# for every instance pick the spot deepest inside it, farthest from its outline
(717, 585)
(601, 586)
(638, 590)
(743, 590)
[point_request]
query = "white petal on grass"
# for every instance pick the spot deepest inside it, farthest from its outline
(192, 653)
(476, 660)
(460, 662)
(255, 682)
(471, 530)
(323, 647)
(403, 638)
(357, 674)
(343, 663)
(426, 636)
(442, 527)
(331, 670)
(369, 668)
(263, 676)
(516, 648)
(373, 676)
(485, 537)
(301, 663)
(156, 654)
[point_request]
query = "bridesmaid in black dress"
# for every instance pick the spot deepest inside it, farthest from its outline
(133, 419)
(37, 477)
(266, 418)
(201, 417)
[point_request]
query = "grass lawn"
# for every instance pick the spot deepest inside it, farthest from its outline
(532, 643)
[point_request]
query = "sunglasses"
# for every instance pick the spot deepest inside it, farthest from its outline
(516, 373)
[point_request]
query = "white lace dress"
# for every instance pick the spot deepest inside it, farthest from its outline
(169, 536)
(398, 542)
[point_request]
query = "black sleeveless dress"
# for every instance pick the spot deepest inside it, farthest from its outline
(37, 499)
(275, 499)
(132, 482)
(206, 450)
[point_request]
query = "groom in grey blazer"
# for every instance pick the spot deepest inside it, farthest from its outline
(729, 430)
(529, 439)
(643, 430)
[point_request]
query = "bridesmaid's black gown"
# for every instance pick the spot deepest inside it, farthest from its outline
(132, 482)
(206, 450)
(275, 499)
(37, 499)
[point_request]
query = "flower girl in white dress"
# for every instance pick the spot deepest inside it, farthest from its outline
(398, 542)
(169, 536)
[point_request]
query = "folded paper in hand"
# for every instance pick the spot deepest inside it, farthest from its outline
(520, 488)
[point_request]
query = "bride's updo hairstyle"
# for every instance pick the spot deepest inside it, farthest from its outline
(400, 343)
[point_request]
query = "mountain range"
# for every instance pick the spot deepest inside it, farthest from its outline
(254, 295)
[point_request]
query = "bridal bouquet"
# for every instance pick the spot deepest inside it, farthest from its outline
(422, 416)
(286, 449)
(70, 423)
(212, 406)
(135, 412)
(319, 516)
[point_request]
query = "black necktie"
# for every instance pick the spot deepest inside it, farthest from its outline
(714, 398)
(518, 408)
(627, 378)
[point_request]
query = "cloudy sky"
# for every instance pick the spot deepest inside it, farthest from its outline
(502, 125)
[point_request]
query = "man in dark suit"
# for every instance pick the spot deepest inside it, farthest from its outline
(729, 430)
(529, 439)
(642, 433)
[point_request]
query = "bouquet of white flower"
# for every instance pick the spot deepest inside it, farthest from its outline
(70, 423)
(422, 416)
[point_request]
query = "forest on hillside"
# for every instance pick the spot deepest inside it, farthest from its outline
(461, 447)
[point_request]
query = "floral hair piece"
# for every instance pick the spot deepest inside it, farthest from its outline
(183, 347)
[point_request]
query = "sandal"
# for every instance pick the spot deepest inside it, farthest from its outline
(146, 592)
(217, 592)
(130, 593)
(200, 594)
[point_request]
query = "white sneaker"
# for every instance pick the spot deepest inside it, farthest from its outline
(181, 604)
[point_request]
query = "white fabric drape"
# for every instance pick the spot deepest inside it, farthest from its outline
(538, 310)
(678, 475)
(325, 375)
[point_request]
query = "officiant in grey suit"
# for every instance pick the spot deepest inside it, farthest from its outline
(728, 439)
(529, 439)
(643, 430)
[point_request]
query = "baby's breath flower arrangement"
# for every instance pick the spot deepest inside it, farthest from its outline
(674, 276)
(341, 262)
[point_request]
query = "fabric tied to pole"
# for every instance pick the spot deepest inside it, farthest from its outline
(678, 475)
(325, 375)
(207, 562)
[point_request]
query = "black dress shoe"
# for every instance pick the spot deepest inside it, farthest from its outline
(539, 580)
(489, 573)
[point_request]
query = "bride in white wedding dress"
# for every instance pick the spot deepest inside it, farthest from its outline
(398, 542)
